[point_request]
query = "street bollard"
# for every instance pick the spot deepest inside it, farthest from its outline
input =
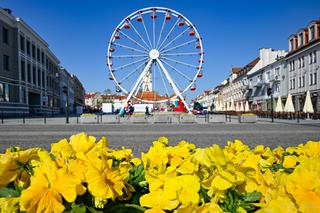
(2, 117)
(77, 119)
(23, 118)
(226, 117)
(45, 118)
(298, 117)
(97, 118)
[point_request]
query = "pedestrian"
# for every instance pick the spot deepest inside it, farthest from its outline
(147, 113)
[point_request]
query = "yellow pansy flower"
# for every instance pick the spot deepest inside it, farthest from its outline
(9, 204)
(11, 165)
(48, 186)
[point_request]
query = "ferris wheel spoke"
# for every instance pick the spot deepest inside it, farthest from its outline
(129, 64)
(168, 35)
(133, 71)
(137, 32)
(173, 84)
(128, 56)
(173, 40)
(145, 29)
(129, 48)
(140, 78)
(178, 71)
(161, 31)
(134, 41)
(181, 54)
(154, 32)
(180, 62)
(163, 81)
(178, 46)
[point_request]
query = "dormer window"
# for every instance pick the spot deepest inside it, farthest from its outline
(312, 33)
(291, 44)
(300, 39)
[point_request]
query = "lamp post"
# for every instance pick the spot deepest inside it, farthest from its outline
(65, 90)
(270, 93)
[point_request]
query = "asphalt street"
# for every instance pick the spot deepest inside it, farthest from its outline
(139, 137)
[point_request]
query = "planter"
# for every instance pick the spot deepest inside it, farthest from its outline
(247, 118)
(86, 119)
(217, 118)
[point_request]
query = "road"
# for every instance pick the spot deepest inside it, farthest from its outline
(139, 136)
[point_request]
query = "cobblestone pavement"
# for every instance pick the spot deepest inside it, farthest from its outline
(139, 136)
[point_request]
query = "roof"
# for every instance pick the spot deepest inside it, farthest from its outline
(151, 96)
(236, 70)
(90, 95)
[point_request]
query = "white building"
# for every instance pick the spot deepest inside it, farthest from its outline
(303, 65)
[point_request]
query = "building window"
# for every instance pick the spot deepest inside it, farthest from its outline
(43, 81)
(6, 63)
(4, 92)
(291, 45)
(7, 92)
(29, 73)
(1, 92)
(42, 57)
(23, 71)
(268, 75)
(34, 75)
(310, 79)
(277, 89)
(312, 33)
(315, 78)
(22, 43)
(314, 57)
(33, 51)
(303, 81)
(299, 82)
(302, 61)
(310, 58)
(39, 78)
(5, 35)
(293, 83)
(38, 54)
(28, 47)
(300, 39)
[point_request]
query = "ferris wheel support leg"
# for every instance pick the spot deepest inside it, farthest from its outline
(175, 89)
(135, 87)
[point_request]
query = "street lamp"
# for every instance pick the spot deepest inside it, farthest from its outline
(65, 90)
(270, 93)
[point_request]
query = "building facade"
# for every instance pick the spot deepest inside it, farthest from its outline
(303, 65)
(29, 71)
(10, 102)
(79, 92)
(67, 91)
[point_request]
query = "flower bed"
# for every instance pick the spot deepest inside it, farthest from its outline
(85, 175)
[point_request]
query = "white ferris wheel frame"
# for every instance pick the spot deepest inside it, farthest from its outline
(138, 83)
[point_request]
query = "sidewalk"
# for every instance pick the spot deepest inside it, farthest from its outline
(291, 121)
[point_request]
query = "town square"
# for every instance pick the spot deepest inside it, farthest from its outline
(159, 106)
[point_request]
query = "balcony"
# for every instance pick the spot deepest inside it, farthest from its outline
(258, 83)
(275, 78)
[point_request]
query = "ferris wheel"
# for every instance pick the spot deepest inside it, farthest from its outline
(155, 54)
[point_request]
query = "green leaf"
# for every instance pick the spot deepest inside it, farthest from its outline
(252, 197)
(204, 195)
(8, 192)
(78, 208)
(122, 208)
(136, 175)
(93, 210)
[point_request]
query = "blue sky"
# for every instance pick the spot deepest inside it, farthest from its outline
(233, 31)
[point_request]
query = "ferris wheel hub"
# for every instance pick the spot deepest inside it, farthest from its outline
(154, 54)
